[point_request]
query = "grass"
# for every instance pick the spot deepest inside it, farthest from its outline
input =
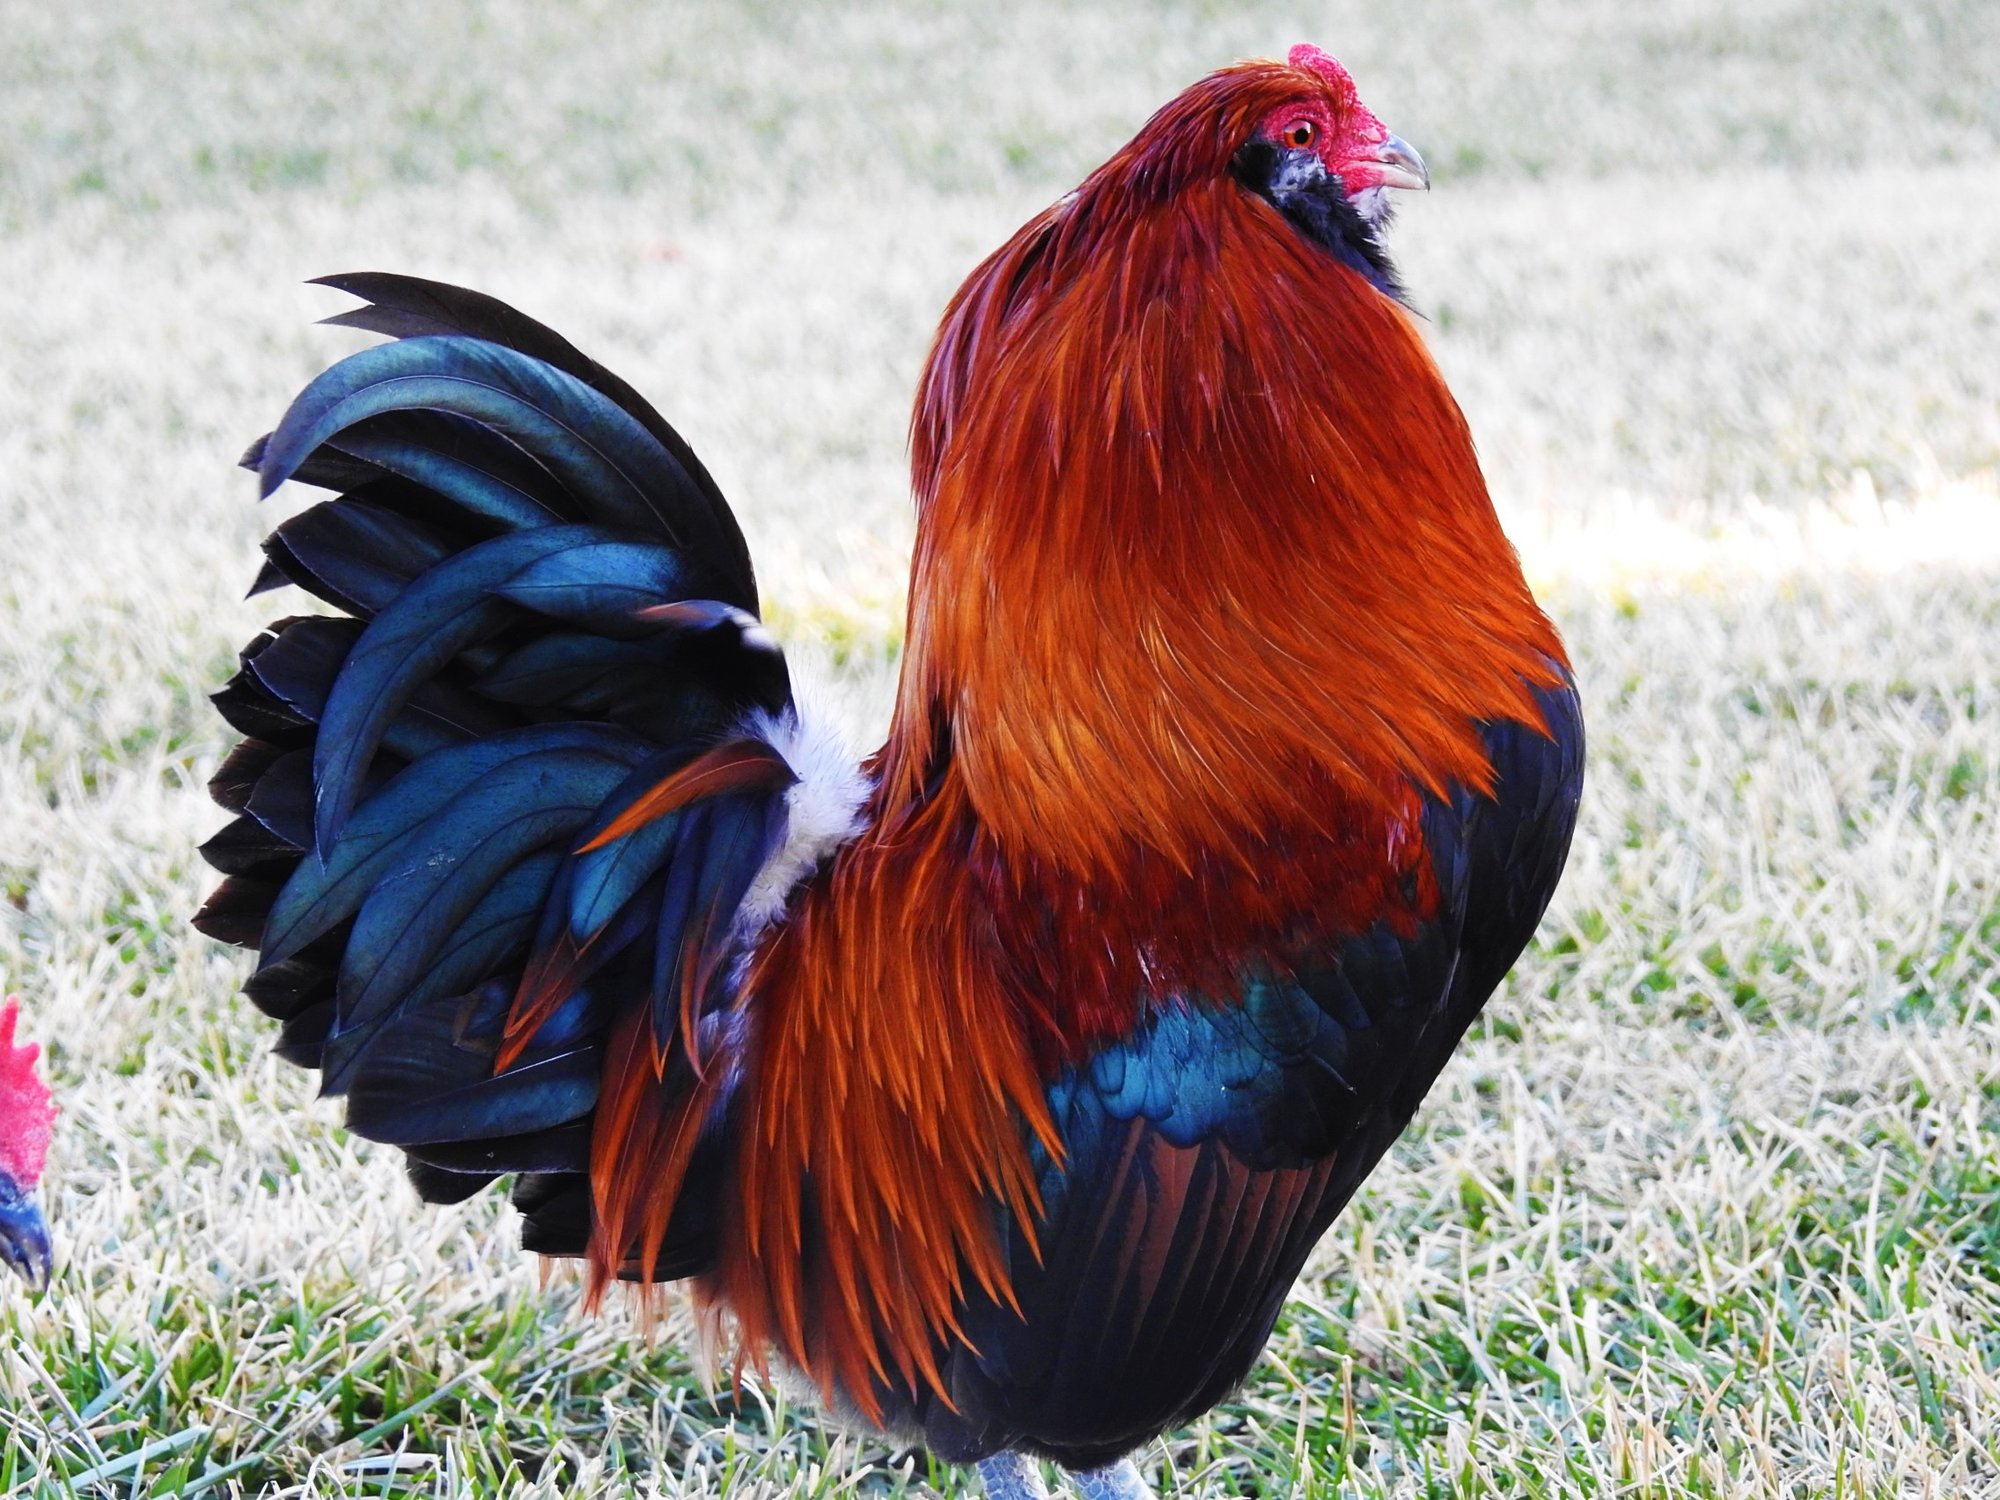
(1710, 1204)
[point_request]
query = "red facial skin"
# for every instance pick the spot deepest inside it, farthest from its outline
(1346, 136)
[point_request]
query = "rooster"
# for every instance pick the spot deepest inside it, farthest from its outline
(999, 1086)
(27, 1120)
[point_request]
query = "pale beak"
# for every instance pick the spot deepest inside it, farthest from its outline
(1400, 164)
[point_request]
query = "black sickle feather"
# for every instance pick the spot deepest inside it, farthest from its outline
(435, 306)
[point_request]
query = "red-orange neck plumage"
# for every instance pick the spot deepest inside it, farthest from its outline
(1198, 514)
(1207, 591)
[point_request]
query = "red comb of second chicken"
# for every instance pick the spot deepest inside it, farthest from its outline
(27, 1108)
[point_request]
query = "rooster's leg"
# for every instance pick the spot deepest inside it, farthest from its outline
(1119, 1481)
(1012, 1476)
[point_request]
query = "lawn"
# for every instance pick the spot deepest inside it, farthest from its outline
(1710, 1203)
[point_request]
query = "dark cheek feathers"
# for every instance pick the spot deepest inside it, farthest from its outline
(1315, 203)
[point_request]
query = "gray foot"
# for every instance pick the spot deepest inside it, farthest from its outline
(1013, 1476)
(1121, 1481)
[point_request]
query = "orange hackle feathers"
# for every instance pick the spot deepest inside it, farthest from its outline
(886, 1122)
(639, 1149)
(1199, 520)
(738, 765)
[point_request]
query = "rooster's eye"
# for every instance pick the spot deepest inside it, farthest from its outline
(1299, 134)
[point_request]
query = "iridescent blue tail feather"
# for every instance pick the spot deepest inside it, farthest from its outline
(451, 851)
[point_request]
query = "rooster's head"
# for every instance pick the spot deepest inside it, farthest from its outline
(1324, 161)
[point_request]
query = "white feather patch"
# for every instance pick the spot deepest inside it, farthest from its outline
(823, 810)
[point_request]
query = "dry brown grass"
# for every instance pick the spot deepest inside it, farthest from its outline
(1711, 1205)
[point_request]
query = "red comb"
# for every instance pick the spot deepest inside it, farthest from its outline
(27, 1110)
(1310, 59)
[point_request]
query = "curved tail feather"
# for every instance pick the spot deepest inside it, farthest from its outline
(494, 828)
